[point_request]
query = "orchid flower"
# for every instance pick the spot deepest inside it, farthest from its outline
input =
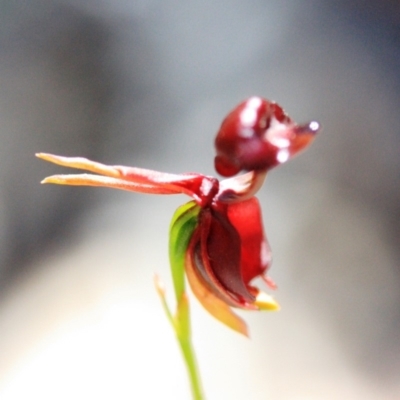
(217, 239)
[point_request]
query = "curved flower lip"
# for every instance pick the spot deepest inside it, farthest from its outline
(259, 135)
(280, 143)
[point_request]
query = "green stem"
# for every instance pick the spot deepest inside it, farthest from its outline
(190, 360)
(183, 333)
(183, 225)
(181, 325)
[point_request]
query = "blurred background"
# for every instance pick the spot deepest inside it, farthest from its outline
(147, 83)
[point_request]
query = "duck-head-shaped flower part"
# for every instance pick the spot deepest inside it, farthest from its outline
(217, 240)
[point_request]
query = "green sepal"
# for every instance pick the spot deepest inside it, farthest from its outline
(183, 224)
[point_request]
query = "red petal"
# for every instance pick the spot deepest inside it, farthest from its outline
(201, 188)
(206, 293)
(259, 135)
(255, 251)
(220, 256)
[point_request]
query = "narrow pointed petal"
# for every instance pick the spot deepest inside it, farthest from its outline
(265, 302)
(212, 303)
(80, 163)
(195, 185)
(105, 181)
(255, 255)
(138, 175)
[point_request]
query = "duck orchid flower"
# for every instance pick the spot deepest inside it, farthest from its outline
(217, 239)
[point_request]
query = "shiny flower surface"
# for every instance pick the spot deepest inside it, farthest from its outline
(217, 240)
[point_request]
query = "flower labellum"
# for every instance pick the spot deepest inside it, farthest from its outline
(217, 240)
(258, 135)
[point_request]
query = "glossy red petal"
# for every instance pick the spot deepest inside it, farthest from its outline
(259, 135)
(246, 218)
(217, 303)
(220, 255)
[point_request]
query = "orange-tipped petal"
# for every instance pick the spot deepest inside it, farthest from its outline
(138, 175)
(194, 185)
(213, 304)
(81, 163)
(105, 181)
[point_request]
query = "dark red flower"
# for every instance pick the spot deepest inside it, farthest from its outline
(217, 239)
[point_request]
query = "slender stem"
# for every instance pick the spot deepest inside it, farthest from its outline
(191, 364)
(183, 331)
(181, 325)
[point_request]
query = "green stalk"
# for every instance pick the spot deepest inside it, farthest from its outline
(183, 224)
(185, 342)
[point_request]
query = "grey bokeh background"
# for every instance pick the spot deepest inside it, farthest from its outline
(147, 83)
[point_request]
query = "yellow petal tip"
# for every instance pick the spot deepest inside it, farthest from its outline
(47, 180)
(53, 179)
(45, 156)
(265, 302)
